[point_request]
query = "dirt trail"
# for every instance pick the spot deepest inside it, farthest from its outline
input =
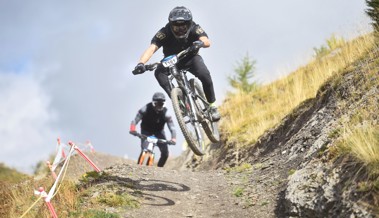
(173, 193)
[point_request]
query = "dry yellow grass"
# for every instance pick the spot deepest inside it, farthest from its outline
(247, 116)
(24, 198)
(363, 142)
(360, 135)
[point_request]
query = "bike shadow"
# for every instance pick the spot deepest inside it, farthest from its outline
(143, 188)
(159, 185)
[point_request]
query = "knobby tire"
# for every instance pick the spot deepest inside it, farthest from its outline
(182, 112)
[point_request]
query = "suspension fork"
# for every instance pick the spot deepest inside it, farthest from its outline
(181, 79)
(189, 94)
(183, 84)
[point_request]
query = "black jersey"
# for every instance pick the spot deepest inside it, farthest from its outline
(171, 45)
(153, 121)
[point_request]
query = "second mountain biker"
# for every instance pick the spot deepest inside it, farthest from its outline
(154, 116)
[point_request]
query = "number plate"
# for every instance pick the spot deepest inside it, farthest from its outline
(170, 61)
(150, 147)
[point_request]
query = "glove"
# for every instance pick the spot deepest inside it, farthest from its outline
(135, 133)
(196, 45)
(172, 142)
(139, 69)
(132, 129)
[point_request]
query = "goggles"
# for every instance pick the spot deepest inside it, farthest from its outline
(158, 104)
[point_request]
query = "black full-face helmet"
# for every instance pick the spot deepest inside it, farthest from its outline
(180, 20)
(158, 101)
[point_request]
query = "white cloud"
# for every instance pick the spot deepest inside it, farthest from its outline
(25, 134)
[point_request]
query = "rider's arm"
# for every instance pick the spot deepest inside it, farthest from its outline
(201, 35)
(206, 41)
(171, 127)
(145, 57)
(138, 118)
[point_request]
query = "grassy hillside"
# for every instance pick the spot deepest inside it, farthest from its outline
(246, 116)
(10, 175)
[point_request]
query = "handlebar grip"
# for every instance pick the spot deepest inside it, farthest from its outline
(151, 67)
(142, 136)
(162, 141)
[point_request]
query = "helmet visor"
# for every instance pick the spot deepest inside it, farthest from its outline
(180, 29)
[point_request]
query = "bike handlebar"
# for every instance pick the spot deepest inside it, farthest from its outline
(180, 55)
(164, 141)
(153, 66)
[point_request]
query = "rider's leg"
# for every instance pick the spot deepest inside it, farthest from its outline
(200, 70)
(164, 154)
(161, 75)
(163, 149)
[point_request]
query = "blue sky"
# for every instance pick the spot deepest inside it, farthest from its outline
(65, 66)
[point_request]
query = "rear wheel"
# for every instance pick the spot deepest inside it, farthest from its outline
(187, 121)
(210, 128)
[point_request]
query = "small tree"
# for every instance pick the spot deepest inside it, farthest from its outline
(373, 13)
(243, 74)
(332, 43)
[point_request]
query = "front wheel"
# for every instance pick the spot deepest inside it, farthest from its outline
(187, 121)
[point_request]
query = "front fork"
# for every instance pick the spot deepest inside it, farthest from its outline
(183, 83)
(194, 115)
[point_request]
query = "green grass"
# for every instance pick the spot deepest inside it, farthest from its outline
(238, 192)
(291, 171)
(239, 169)
(118, 200)
(93, 214)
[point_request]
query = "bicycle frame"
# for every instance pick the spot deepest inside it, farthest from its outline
(148, 148)
(189, 103)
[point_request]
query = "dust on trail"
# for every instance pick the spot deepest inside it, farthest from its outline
(173, 193)
(177, 191)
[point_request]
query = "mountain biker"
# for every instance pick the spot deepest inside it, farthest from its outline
(154, 116)
(180, 33)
